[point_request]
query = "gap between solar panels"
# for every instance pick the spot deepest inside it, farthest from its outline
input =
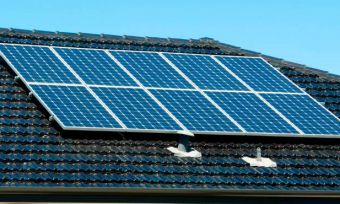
(135, 91)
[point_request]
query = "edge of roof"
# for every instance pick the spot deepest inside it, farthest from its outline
(168, 192)
(127, 39)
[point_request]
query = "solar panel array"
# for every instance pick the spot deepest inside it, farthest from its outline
(167, 92)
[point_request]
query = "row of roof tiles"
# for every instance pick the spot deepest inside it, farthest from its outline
(34, 152)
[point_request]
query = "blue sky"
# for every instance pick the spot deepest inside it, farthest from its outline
(303, 31)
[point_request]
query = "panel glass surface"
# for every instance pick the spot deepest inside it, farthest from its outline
(151, 69)
(305, 113)
(195, 111)
(95, 67)
(136, 109)
(74, 106)
(205, 72)
(37, 64)
(251, 112)
(258, 74)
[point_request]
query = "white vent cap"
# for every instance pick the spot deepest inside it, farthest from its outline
(259, 161)
(264, 162)
(179, 153)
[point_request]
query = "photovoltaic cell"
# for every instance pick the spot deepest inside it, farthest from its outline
(251, 112)
(74, 106)
(151, 69)
(205, 72)
(136, 109)
(258, 74)
(95, 67)
(195, 111)
(37, 64)
(305, 113)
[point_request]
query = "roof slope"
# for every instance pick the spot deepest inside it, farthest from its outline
(34, 152)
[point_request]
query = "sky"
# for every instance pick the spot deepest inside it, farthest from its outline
(302, 31)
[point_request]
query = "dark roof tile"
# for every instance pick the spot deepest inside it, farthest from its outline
(34, 152)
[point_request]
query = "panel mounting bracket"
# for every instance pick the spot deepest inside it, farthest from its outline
(17, 79)
(51, 118)
(30, 94)
(185, 132)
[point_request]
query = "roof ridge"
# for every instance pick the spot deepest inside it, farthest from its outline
(89, 37)
(101, 36)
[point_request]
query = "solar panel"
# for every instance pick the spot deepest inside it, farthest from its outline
(163, 92)
(305, 113)
(151, 69)
(258, 74)
(195, 111)
(74, 107)
(251, 112)
(205, 72)
(37, 64)
(95, 67)
(136, 109)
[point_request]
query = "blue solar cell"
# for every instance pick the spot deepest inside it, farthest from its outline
(37, 64)
(258, 74)
(151, 69)
(305, 113)
(136, 109)
(205, 72)
(195, 111)
(95, 67)
(251, 112)
(74, 106)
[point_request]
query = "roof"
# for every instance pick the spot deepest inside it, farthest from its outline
(37, 153)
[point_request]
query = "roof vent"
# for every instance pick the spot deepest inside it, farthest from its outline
(183, 149)
(259, 161)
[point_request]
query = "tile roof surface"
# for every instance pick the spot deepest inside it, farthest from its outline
(36, 153)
